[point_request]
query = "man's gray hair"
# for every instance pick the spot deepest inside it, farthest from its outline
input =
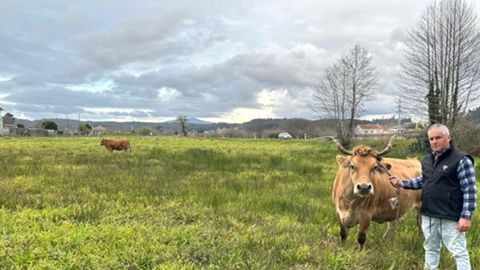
(442, 127)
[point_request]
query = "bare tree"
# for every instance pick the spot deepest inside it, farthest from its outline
(440, 73)
(298, 127)
(182, 120)
(343, 89)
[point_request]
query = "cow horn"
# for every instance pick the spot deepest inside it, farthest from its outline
(340, 147)
(387, 149)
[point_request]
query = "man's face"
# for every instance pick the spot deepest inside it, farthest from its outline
(439, 141)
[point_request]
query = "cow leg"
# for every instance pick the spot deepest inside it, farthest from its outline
(391, 226)
(362, 238)
(343, 232)
(419, 220)
(343, 229)
(362, 231)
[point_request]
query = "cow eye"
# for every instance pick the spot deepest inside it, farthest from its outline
(374, 168)
(352, 167)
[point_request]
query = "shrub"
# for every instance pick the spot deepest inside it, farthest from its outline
(465, 135)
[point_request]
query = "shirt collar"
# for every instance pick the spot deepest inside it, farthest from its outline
(437, 155)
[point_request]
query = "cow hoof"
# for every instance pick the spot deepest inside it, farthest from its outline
(362, 237)
(343, 234)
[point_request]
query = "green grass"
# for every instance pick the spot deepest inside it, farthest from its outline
(186, 203)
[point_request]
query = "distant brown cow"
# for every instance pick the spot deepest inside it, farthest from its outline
(116, 145)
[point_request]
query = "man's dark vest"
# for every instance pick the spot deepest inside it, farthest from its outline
(441, 193)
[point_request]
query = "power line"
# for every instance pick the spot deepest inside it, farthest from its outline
(399, 112)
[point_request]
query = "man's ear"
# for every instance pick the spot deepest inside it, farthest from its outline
(341, 159)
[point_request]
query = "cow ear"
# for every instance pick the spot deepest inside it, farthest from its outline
(344, 161)
(387, 165)
(341, 159)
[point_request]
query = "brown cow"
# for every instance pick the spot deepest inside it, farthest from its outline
(118, 145)
(362, 192)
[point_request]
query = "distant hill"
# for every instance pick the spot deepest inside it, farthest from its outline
(297, 127)
(192, 120)
(168, 126)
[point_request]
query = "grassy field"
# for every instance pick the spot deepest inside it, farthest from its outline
(186, 203)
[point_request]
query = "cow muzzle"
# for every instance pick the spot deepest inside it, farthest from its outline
(363, 189)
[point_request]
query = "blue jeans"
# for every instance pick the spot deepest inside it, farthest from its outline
(437, 231)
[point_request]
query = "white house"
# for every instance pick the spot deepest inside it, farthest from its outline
(284, 135)
(396, 129)
(99, 130)
(369, 129)
(3, 131)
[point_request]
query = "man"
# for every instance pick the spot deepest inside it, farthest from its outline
(448, 198)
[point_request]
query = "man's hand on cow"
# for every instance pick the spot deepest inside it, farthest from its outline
(395, 181)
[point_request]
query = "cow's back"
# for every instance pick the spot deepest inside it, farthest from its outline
(404, 168)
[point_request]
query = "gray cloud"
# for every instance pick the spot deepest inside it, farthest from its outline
(154, 59)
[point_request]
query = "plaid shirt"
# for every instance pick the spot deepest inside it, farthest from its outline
(466, 175)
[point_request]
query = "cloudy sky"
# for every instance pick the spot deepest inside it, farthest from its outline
(218, 60)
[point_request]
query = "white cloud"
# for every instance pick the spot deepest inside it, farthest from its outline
(241, 115)
(4, 78)
(166, 94)
(95, 87)
(272, 98)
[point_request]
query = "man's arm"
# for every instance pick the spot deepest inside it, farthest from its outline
(412, 183)
(466, 176)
